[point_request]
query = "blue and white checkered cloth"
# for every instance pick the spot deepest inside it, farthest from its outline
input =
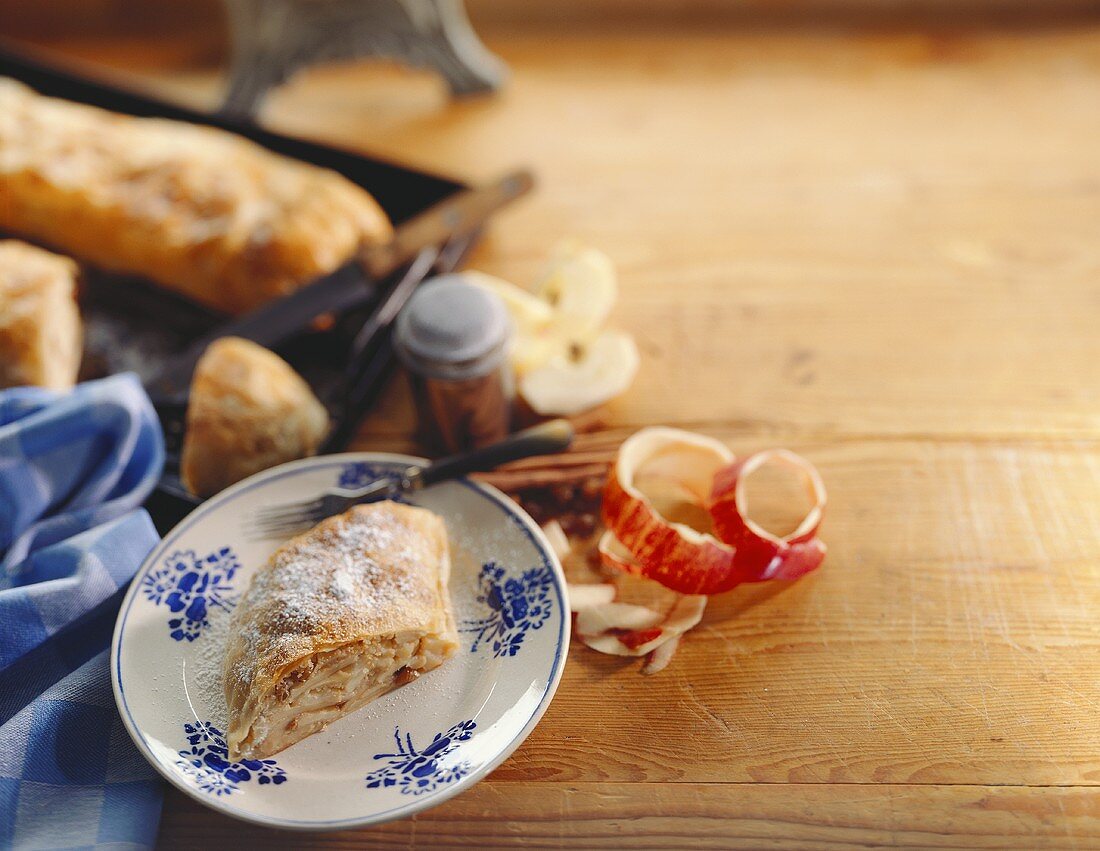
(74, 469)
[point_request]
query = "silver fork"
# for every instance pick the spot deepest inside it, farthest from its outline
(283, 520)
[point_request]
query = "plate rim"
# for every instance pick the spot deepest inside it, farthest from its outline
(561, 652)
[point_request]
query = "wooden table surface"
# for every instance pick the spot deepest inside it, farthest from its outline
(881, 249)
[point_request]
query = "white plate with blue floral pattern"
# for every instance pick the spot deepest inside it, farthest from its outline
(406, 751)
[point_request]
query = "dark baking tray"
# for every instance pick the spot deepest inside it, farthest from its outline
(130, 325)
(401, 191)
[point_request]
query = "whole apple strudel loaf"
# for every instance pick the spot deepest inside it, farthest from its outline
(195, 209)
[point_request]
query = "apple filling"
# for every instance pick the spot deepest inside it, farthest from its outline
(339, 615)
(325, 686)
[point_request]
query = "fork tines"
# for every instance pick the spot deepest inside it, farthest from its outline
(286, 517)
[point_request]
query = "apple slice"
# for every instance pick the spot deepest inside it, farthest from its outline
(533, 351)
(537, 338)
(562, 360)
(581, 288)
(529, 312)
(586, 376)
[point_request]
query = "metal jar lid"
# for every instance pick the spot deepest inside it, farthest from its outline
(452, 329)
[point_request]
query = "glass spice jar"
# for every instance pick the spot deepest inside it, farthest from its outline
(453, 339)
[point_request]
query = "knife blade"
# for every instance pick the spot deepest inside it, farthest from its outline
(355, 283)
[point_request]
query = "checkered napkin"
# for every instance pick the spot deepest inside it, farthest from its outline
(74, 469)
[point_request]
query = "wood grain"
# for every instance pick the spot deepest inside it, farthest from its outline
(877, 247)
(941, 643)
(697, 815)
(862, 241)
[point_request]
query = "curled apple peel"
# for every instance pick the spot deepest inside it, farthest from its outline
(694, 562)
(616, 557)
(762, 555)
(640, 540)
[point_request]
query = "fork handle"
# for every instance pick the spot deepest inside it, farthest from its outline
(545, 439)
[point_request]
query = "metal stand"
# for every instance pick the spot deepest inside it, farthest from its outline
(274, 38)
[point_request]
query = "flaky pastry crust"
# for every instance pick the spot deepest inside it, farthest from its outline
(247, 410)
(40, 328)
(338, 616)
(196, 209)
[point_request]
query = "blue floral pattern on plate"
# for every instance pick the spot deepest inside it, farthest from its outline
(190, 586)
(415, 772)
(516, 606)
(396, 751)
(207, 763)
(360, 474)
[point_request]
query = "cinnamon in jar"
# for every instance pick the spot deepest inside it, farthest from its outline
(453, 339)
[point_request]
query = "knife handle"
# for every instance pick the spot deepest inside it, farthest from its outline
(544, 439)
(462, 212)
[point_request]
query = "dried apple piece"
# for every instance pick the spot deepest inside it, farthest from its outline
(639, 640)
(658, 659)
(615, 616)
(556, 537)
(582, 597)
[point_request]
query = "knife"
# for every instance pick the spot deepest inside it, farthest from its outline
(352, 284)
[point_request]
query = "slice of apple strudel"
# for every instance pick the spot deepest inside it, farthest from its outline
(338, 616)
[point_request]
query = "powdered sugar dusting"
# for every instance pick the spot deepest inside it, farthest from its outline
(208, 665)
(464, 572)
(344, 567)
(345, 576)
(343, 585)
